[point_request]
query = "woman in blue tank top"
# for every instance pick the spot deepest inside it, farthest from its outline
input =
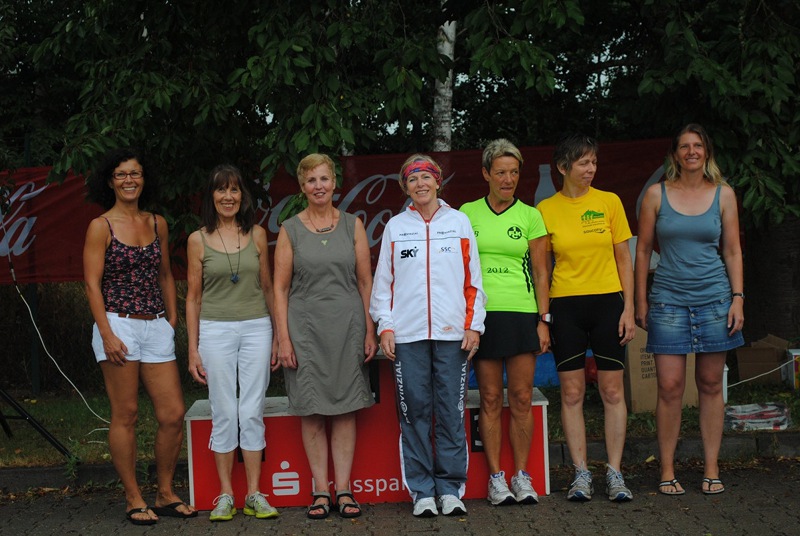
(696, 302)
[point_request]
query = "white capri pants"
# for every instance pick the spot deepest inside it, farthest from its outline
(236, 352)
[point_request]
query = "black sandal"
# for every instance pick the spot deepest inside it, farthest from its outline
(313, 511)
(351, 505)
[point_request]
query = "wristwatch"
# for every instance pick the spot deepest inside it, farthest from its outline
(547, 318)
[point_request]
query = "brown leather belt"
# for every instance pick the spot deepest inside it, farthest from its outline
(162, 314)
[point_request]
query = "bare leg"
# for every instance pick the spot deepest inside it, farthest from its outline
(489, 373)
(573, 390)
(709, 369)
(315, 442)
(252, 469)
(612, 392)
(122, 386)
(521, 369)
(671, 374)
(343, 447)
(224, 462)
(162, 382)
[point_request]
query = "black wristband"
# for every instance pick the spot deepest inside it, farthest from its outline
(740, 294)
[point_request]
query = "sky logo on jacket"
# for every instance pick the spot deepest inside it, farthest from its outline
(408, 253)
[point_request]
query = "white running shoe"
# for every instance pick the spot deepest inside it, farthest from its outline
(499, 494)
(522, 489)
(452, 505)
(425, 507)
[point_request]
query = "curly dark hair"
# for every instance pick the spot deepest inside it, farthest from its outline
(97, 183)
(220, 177)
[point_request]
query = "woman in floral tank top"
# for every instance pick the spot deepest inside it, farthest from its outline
(132, 297)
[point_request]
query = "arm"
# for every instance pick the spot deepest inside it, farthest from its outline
(732, 255)
(644, 250)
(284, 262)
(94, 253)
(380, 303)
(259, 235)
(627, 325)
(364, 277)
(165, 279)
(194, 294)
(541, 282)
(474, 294)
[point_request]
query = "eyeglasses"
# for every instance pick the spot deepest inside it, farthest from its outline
(122, 175)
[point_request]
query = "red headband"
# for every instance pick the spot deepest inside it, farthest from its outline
(419, 166)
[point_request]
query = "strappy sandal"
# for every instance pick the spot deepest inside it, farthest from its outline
(353, 506)
(667, 483)
(711, 482)
(319, 511)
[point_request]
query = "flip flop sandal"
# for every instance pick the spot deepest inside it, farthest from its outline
(319, 511)
(712, 482)
(171, 510)
(143, 510)
(667, 483)
(354, 507)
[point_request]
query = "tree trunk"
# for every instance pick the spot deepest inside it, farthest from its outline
(443, 99)
(772, 281)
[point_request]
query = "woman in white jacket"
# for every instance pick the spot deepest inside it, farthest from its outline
(429, 305)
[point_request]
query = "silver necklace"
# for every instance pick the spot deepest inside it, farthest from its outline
(324, 229)
(234, 275)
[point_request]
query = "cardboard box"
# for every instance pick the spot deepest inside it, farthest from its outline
(641, 386)
(763, 356)
(791, 371)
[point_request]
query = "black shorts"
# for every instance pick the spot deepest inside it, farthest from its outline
(581, 322)
(508, 334)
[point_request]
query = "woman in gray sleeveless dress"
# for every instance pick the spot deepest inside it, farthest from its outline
(323, 281)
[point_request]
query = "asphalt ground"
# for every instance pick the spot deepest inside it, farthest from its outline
(761, 498)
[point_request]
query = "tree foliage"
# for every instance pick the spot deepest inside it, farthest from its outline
(261, 84)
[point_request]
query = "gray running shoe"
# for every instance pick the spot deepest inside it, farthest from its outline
(499, 494)
(224, 510)
(581, 488)
(522, 489)
(616, 488)
(257, 505)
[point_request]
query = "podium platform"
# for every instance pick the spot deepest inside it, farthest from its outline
(376, 476)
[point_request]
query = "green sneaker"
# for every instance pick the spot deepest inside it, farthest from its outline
(224, 510)
(257, 505)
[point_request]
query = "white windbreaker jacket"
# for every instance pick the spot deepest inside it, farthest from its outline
(428, 282)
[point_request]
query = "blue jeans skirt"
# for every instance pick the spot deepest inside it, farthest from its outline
(680, 329)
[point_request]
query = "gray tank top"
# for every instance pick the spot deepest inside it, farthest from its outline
(691, 271)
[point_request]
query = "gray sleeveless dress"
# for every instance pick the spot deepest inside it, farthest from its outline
(326, 322)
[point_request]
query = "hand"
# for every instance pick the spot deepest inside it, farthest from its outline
(286, 356)
(627, 328)
(543, 331)
(470, 342)
(641, 314)
(370, 346)
(274, 362)
(196, 368)
(736, 316)
(115, 350)
(387, 344)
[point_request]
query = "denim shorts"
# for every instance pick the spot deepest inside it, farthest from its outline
(680, 329)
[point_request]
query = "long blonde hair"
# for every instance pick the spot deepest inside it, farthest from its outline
(711, 171)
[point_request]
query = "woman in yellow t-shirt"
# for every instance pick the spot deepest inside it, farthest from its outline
(591, 303)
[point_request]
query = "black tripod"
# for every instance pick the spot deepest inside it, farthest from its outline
(24, 415)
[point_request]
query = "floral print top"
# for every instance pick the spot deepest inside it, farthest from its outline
(130, 276)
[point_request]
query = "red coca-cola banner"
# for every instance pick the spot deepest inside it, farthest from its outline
(43, 228)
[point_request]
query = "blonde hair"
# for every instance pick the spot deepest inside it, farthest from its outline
(418, 157)
(310, 162)
(497, 149)
(711, 171)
